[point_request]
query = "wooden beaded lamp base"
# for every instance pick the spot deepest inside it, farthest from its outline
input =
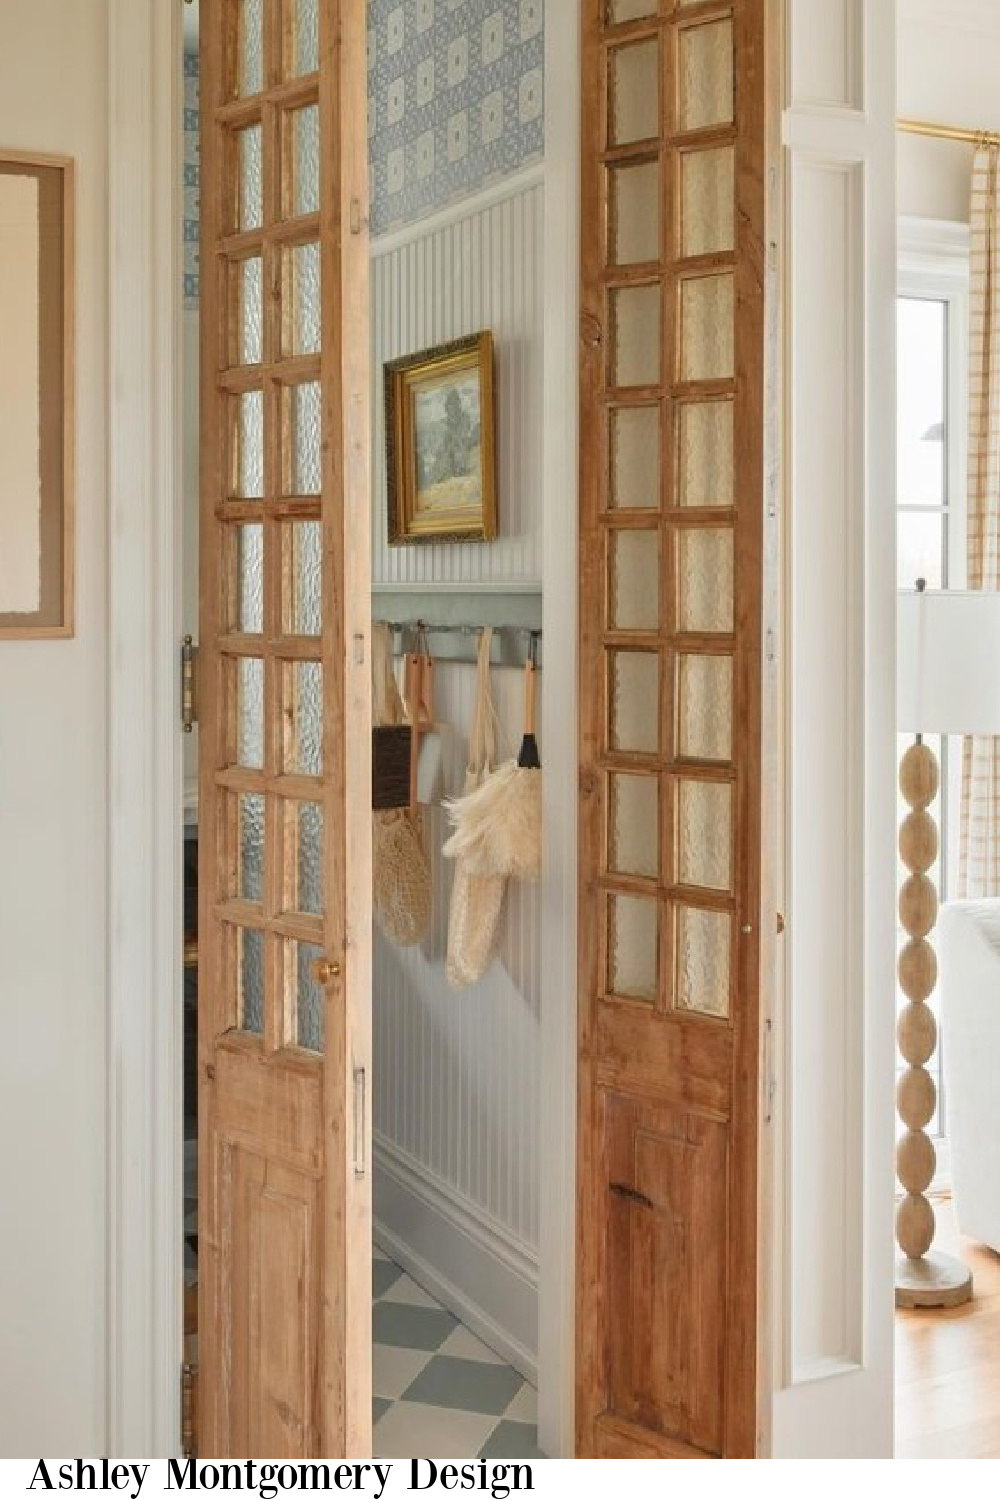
(923, 1279)
(932, 1281)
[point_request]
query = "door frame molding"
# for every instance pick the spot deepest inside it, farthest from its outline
(145, 783)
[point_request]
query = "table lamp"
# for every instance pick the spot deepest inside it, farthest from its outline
(948, 682)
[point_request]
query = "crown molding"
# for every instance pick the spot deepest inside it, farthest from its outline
(977, 17)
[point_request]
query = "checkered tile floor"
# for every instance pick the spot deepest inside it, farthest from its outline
(438, 1391)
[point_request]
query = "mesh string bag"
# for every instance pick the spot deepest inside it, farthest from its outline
(476, 900)
(402, 872)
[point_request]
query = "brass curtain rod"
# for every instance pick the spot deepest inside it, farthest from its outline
(949, 132)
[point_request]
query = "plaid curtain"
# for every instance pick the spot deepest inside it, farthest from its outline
(979, 866)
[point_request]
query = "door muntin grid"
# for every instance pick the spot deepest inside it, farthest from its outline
(271, 792)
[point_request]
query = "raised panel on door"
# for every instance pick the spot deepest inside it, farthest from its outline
(285, 877)
(673, 596)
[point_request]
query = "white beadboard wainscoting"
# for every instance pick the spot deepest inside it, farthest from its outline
(456, 1086)
(474, 267)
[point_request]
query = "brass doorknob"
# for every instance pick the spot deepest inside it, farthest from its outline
(325, 971)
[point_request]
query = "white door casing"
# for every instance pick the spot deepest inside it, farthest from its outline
(833, 1240)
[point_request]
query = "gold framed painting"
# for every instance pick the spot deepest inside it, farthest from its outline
(36, 396)
(441, 444)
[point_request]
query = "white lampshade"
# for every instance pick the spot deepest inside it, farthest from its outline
(948, 666)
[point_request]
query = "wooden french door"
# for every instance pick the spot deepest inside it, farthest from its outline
(677, 928)
(285, 864)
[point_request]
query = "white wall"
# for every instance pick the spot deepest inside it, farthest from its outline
(949, 62)
(53, 810)
(457, 1076)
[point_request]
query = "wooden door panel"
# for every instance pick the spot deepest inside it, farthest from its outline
(285, 879)
(666, 1267)
(672, 607)
(269, 1227)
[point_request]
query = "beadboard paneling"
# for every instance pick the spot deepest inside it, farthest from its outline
(456, 1074)
(480, 268)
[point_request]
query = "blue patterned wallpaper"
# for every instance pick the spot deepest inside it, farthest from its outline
(455, 100)
(192, 180)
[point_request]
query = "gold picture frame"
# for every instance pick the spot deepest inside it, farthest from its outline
(441, 444)
(36, 395)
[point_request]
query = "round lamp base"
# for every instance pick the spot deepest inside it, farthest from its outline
(933, 1281)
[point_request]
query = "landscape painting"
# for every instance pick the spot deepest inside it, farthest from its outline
(440, 437)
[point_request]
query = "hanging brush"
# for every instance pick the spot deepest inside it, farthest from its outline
(498, 827)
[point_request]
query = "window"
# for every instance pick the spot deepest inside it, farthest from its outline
(932, 321)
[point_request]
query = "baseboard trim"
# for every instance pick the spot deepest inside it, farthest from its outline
(471, 1264)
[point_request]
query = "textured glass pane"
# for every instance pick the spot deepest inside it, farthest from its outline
(302, 580)
(707, 328)
(635, 213)
(703, 961)
(251, 47)
(251, 317)
(303, 467)
(251, 947)
(305, 159)
(304, 718)
(635, 336)
(302, 309)
(250, 579)
(631, 10)
(305, 49)
(706, 75)
(250, 712)
(708, 201)
(249, 475)
(251, 173)
(308, 873)
(705, 707)
(633, 948)
(251, 887)
(705, 454)
(635, 580)
(635, 458)
(634, 826)
(634, 708)
(634, 110)
(704, 834)
(310, 1007)
(705, 581)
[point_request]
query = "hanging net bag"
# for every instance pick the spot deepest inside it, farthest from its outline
(402, 874)
(476, 900)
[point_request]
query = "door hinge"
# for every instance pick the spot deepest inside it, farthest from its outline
(189, 684)
(189, 1396)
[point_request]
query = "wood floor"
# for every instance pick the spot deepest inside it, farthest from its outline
(948, 1363)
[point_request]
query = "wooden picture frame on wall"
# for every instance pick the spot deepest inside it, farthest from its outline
(441, 444)
(36, 395)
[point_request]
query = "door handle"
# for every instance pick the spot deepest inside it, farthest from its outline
(770, 1082)
(360, 1123)
(325, 971)
(631, 1194)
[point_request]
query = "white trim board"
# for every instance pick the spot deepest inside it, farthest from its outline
(471, 1264)
(145, 1192)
